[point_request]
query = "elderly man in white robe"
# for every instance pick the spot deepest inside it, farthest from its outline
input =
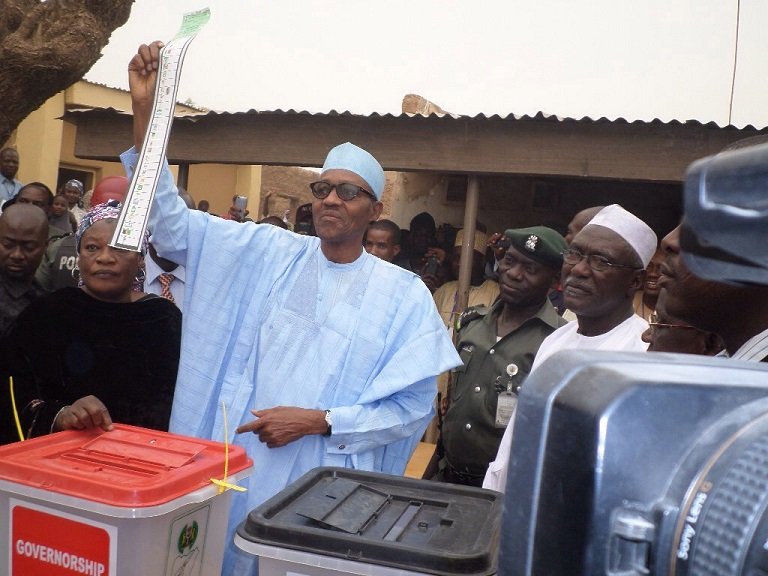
(323, 354)
(602, 269)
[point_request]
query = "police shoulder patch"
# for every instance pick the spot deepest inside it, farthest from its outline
(470, 314)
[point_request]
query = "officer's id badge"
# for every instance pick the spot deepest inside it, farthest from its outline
(505, 407)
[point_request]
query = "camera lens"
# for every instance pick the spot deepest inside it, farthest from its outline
(652, 465)
(722, 526)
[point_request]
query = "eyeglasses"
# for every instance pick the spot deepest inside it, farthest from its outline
(346, 191)
(597, 262)
(653, 322)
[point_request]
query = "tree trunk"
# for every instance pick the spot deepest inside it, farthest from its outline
(46, 47)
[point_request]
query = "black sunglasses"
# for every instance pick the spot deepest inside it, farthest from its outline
(346, 191)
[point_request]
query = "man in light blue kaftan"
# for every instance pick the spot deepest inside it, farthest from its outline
(284, 327)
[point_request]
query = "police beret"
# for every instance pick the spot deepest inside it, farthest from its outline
(539, 243)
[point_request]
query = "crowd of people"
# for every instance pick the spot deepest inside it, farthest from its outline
(340, 343)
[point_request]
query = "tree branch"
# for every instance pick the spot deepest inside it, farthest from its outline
(45, 47)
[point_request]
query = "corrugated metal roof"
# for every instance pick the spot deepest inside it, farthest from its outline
(511, 116)
(539, 116)
(107, 86)
(513, 144)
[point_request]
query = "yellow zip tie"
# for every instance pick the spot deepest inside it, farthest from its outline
(223, 484)
(16, 412)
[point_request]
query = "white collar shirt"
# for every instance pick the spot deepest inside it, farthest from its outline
(152, 281)
(9, 187)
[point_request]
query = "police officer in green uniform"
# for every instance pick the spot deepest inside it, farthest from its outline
(497, 346)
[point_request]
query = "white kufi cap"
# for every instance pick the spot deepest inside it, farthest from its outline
(634, 231)
(349, 157)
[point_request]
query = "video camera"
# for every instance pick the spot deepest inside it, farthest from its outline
(652, 464)
(636, 464)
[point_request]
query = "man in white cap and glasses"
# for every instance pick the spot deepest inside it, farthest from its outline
(602, 269)
(323, 354)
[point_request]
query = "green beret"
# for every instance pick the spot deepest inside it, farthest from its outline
(539, 243)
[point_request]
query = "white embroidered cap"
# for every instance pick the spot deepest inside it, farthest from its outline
(633, 230)
(347, 156)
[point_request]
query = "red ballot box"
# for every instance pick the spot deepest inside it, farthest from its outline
(129, 502)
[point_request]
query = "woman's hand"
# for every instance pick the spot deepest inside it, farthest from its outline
(86, 412)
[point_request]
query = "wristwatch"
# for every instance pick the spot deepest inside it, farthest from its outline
(328, 422)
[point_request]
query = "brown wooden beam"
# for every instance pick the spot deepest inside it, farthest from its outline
(651, 151)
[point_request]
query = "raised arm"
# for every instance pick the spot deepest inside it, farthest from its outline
(142, 78)
(169, 216)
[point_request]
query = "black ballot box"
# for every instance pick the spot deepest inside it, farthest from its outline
(335, 521)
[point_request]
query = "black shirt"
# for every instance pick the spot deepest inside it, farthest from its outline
(67, 345)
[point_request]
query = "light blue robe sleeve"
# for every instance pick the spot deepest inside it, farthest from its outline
(169, 216)
(396, 402)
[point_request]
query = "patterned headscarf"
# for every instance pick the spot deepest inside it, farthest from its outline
(110, 209)
(76, 184)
